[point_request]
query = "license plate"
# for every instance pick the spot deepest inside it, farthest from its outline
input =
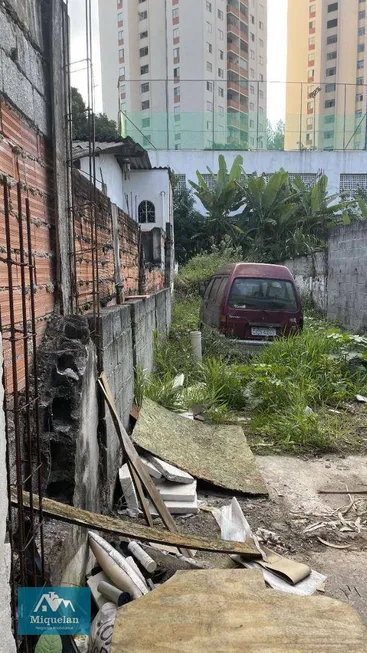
(257, 331)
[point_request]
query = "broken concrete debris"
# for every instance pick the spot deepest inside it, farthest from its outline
(128, 488)
(109, 558)
(170, 472)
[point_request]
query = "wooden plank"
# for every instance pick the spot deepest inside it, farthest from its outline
(232, 611)
(129, 529)
(133, 455)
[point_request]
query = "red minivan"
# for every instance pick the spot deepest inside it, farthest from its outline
(252, 302)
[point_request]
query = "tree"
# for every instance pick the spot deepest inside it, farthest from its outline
(188, 223)
(275, 137)
(106, 130)
(225, 198)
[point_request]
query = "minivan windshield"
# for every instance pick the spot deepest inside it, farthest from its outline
(269, 294)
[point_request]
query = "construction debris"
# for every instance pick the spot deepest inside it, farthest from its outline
(148, 563)
(115, 567)
(231, 610)
(128, 488)
(333, 546)
(170, 472)
(214, 453)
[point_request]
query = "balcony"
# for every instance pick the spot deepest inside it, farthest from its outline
(237, 120)
(232, 28)
(237, 87)
(234, 66)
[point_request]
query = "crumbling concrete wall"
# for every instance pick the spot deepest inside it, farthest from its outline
(310, 273)
(7, 641)
(347, 277)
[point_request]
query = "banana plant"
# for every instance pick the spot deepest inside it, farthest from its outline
(221, 201)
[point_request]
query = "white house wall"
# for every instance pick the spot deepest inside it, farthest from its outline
(111, 175)
(152, 185)
(333, 164)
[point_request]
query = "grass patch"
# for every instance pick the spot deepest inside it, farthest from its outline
(275, 389)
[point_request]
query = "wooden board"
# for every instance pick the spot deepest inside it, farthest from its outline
(214, 453)
(129, 529)
(219, 610)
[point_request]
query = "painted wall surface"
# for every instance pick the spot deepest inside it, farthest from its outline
(310, 274)
(347, 284)
(333, 164)
(7, 641)
(108, 172)
(152, 185)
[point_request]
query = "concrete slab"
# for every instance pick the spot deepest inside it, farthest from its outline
(178, 507)
(172, 473)
(151, 469)
(128, 488)
(176, 491)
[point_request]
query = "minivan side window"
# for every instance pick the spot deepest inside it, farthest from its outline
(214, 289)
(222, 289)
(208, 289)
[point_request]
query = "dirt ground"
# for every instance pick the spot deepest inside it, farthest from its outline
(294, 505)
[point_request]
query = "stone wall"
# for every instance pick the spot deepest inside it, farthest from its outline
(347, 278)
(310, 273)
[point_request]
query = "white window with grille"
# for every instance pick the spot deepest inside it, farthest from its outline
(210, 181)
(350, 183)
(180, 182)
(308, 178)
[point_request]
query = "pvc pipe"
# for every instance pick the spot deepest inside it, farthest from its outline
(113, 593)
(196, 345)
(148, 563)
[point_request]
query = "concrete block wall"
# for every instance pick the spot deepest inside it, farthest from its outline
(310, 273)
(347, 276)
(128, 340)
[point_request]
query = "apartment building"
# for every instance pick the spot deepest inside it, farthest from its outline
(185, 74)
(326, 75)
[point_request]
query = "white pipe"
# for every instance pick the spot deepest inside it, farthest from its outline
(196, 345)
(148, 563)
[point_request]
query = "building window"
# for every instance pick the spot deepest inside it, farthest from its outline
(309, 123)
(329, 119)
(143, 52)
(177, 137)
(221, 111)
(330, 88)
(351, 183)
(176, 53)
(261, 94)
(252, 124)
(332, 39)
(143, 15)
(121, 35)
(121, 53)
(176, 33)
(252, 54)
(180, 183)
(332, 7)
(221, 35)
(220, 14)
(252, 73)
(252, 106)
(209, 47)
(220, 72)
(177, 109)
(120, 17)
(209, 6)
(360, 81)
(330, 72)
(261, 43)
(209, 66)
(312, 9)
(146, 212)
(175, 13)
(329, 104)
(261, 24)
(144, 69)
(361, 47)
(252, 89)
(261, 60)
(221, 54)
(359, 97)
(220, 91)
(360, 63)
(328, 135)
(209, 86)
(176, 73)
(176, 91)
(252, 36)
(332, 23)
(145, 105)
(252, 19)
(311, 25)
(209, 27)
(144, 35)
(361, 15)
(359, 113)
(209, 106)
(209, 125)
(145, 123)
(309, 106)
(261, 77)
(311, 59)
(122, 71)
(145, 87)
(361, 31)
(331, 55)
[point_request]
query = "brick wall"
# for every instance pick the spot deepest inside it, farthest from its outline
(347, 276)
(26, 156)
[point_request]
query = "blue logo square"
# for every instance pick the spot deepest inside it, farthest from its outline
(50, 610)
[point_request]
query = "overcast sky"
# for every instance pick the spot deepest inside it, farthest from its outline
(277, 50)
